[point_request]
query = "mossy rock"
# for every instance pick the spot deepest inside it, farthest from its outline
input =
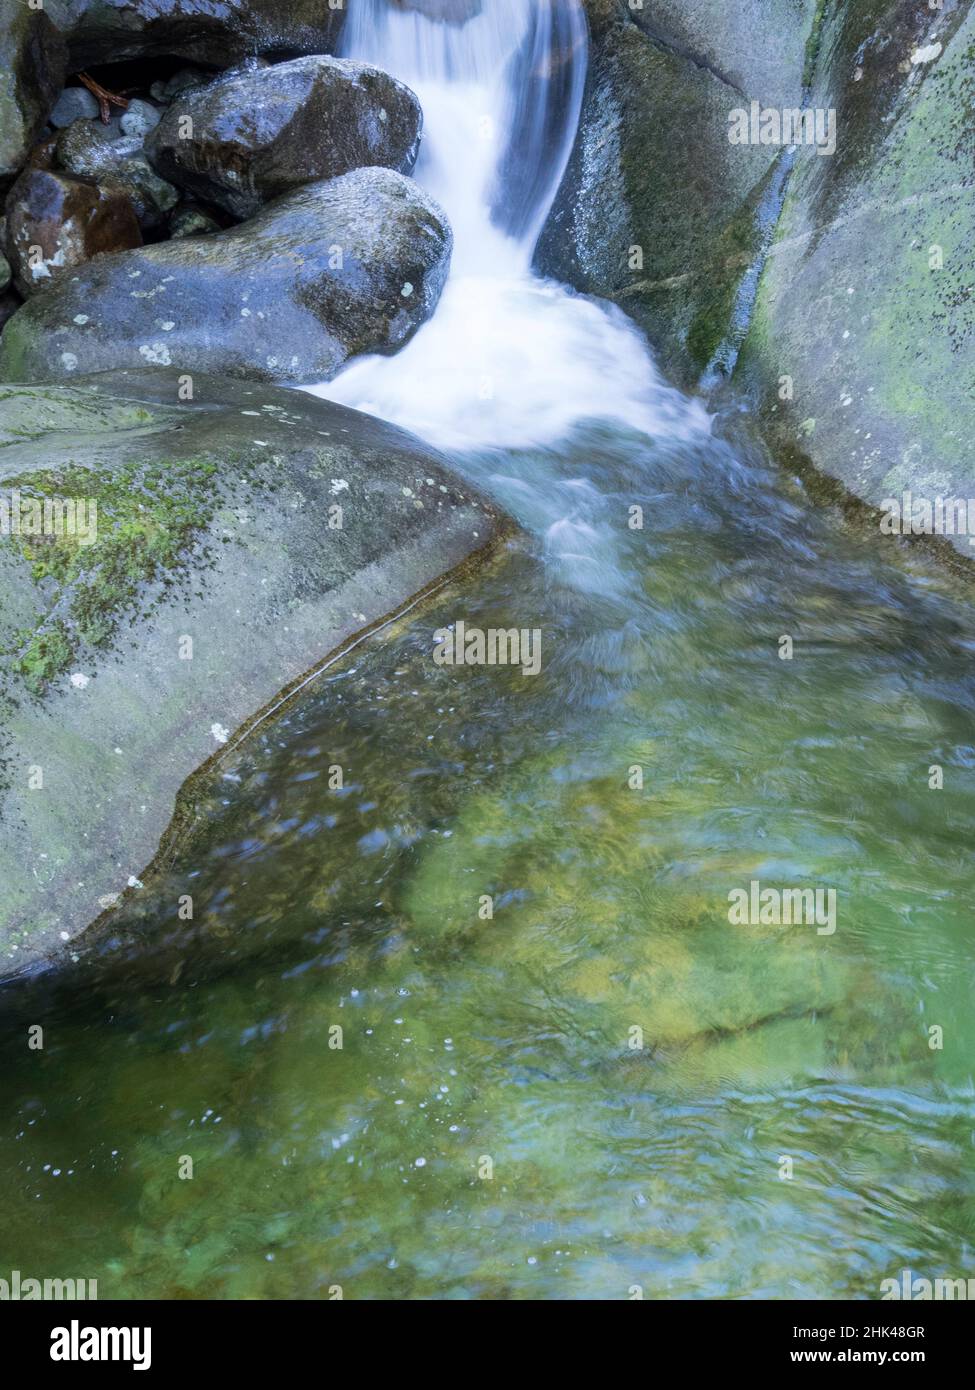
(866, 301)
(658, 210)
(240, 537)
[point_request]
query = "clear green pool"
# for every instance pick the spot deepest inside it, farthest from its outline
(486, 1128)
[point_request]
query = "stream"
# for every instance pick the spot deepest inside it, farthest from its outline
(605, 1089)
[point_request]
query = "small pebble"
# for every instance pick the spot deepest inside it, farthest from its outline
(74, 104)
(139, 119)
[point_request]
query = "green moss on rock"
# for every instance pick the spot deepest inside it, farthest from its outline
(657, 209)
(144, 518)
(45, 654)
(866, 302)
(215, 582)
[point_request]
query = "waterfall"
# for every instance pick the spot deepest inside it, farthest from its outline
(508, 359)
(501, 96)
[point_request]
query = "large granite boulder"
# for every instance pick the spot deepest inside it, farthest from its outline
(760, 48)
(658, 210)
(861, 352)
(348, 265)
(223, 547)
(255, 134)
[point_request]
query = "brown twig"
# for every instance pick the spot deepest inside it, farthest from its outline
(105, 97)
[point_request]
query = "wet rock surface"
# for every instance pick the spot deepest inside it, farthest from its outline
(349, 265)
(220, 32)
(861, 351)
(139, 118)
(190, 220)
(56, 223)
(240, 538)
(658, 210)
(94, 151)
(255, 134)
(164, 90)
(759, 47)
(74, 104)
(33, 61)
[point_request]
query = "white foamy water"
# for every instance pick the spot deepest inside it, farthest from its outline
(508, 359)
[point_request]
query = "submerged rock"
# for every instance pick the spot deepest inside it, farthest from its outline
(92, 150)
(223, 547)
(645, 964)
(350, 265)
(32, 66)
(56, 223)
(256, 134)
(861, 352)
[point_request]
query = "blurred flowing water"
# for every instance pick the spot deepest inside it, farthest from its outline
(487, 1127)
(508, 359)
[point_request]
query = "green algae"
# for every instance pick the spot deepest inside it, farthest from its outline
(585, 911)
(813, 42)
(735, 248)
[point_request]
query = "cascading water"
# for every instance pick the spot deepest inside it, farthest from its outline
(356, 904)
(508, 360)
